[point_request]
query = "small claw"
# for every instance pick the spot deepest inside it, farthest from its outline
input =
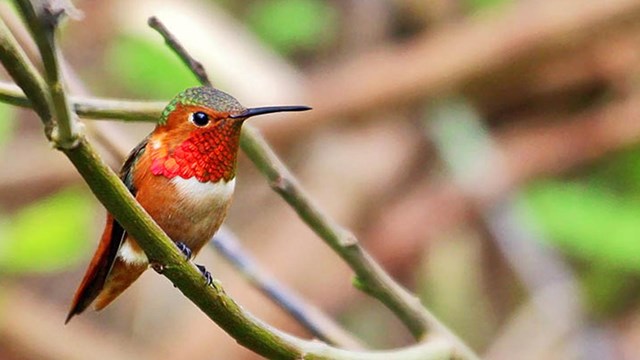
(206, 274)
(185, 250)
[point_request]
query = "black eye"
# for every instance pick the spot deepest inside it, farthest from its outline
(200, 119)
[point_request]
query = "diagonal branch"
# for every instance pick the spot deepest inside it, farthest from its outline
(370, 277)
(193, 64)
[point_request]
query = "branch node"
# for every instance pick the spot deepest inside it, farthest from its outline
(348, 240)
(357, 283)
(54, 11)
(281, 184)
(66, 143)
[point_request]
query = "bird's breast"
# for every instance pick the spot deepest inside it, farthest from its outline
(188, 210)
(199, 198)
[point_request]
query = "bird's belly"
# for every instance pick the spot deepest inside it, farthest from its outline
(197, 211)
(189, 212)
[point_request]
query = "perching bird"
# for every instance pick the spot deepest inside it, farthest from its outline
(183, 174)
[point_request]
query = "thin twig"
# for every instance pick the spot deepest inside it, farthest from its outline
(370, 277)
(118, 109)
(312, 318)
(90, 108)
(193, 64)
(25, 75)
(43, 18)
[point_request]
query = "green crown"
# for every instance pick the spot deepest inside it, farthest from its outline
(205, 96)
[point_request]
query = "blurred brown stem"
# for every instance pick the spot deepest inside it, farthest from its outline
(452, 58)
(553, 146)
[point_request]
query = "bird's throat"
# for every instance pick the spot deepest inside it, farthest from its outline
(209, 156)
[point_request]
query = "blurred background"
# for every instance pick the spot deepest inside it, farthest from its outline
(486, 152)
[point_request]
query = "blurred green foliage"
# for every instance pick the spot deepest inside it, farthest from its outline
(293, 25)
(588, 222)
(594, 220)
(619, 174)
(479, 6)
(147, 69)
(48, 235)
(7, 123)
(608, 290)
(45, 236)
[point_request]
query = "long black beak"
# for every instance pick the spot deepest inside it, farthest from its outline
(268, 110)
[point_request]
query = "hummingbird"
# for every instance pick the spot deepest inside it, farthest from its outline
(183, 174)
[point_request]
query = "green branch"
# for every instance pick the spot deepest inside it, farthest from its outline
(42, 18)
(370, 277)
(93, 108)
(25, 75)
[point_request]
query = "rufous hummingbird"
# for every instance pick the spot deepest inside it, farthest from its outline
(183, 174)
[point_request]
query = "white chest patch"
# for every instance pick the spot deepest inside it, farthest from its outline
(204, 194)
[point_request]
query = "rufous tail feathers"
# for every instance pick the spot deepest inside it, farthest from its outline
(122, 275)
(107, 275)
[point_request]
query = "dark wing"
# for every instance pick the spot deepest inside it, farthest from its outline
(126, 173)
(112, 238)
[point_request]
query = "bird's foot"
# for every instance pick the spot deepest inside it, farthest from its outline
(188, 254)
(206, 274)
(185, 250)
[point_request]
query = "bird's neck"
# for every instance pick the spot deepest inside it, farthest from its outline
(208, 156)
